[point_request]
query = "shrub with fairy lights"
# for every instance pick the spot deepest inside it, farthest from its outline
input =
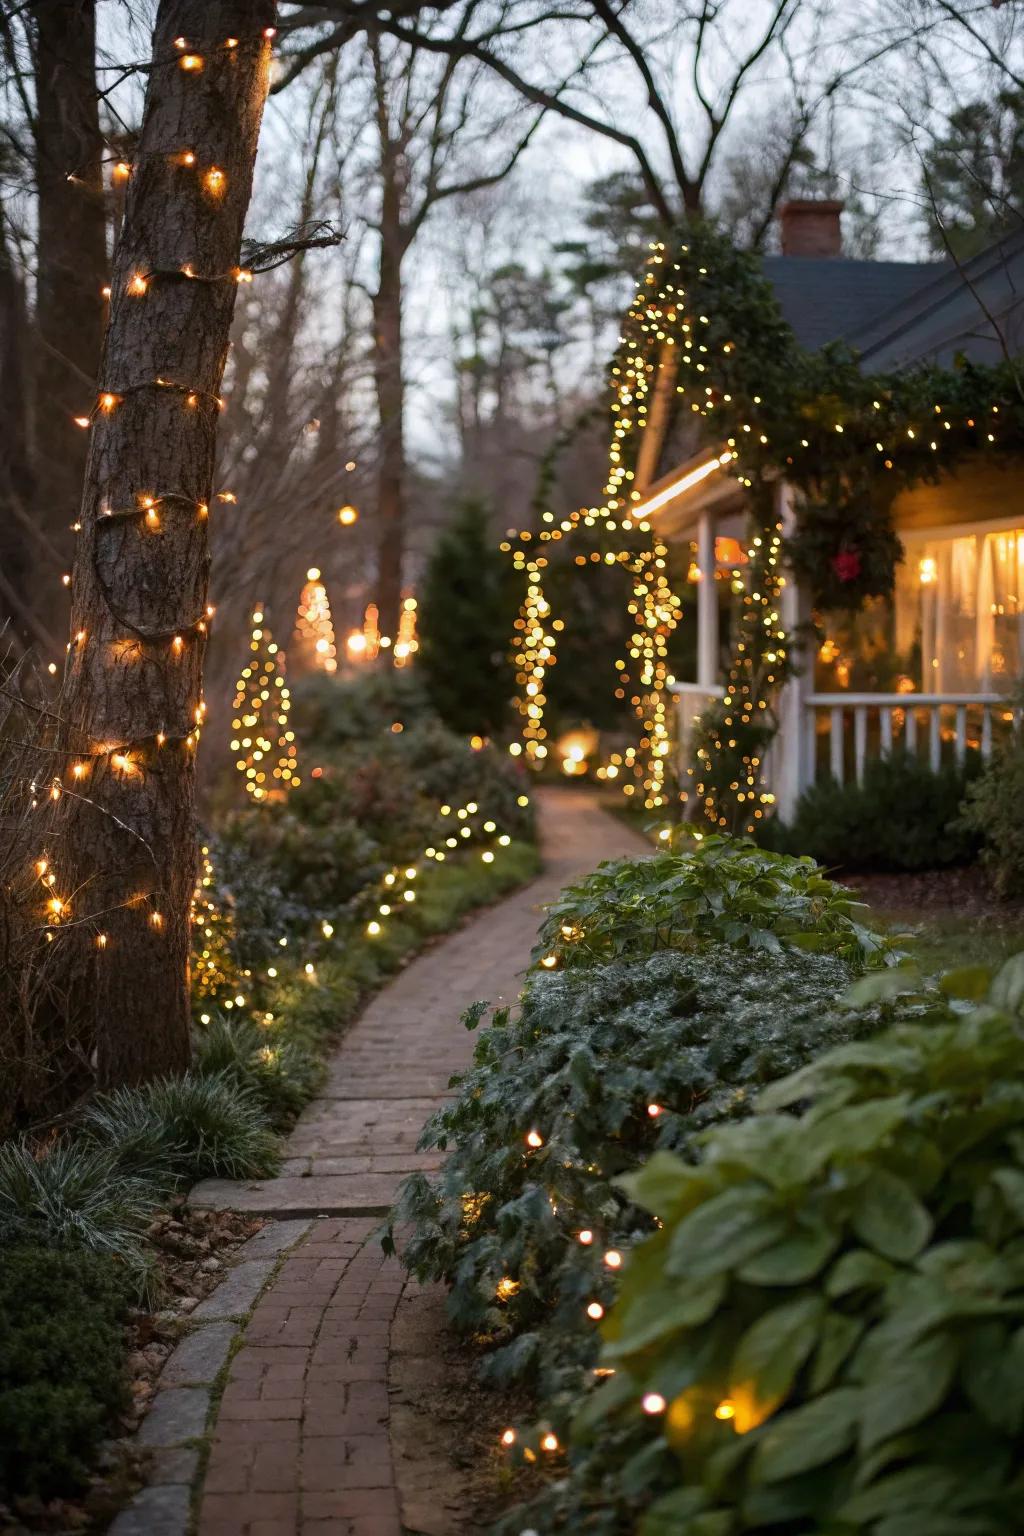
(823, 1331)
(663, 991)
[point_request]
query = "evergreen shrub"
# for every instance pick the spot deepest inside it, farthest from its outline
(903, 817)
(62, 1380)
(992, 814)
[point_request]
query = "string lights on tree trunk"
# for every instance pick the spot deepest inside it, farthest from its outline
(133, 692)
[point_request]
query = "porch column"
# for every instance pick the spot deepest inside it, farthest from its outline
(707, 604)
(788, 756)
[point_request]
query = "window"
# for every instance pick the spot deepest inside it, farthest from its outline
(960, 599)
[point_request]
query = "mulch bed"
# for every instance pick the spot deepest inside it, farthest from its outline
(937, 893)
(192, 1250)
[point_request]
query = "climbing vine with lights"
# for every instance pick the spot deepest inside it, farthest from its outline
(844, 441)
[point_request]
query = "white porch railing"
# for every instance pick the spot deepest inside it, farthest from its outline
(881, 721)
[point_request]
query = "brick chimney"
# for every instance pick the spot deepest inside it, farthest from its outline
(810, 227)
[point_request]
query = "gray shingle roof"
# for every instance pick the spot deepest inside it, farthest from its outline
(896, 313)
(828, 298)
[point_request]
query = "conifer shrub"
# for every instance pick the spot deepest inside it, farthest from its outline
(62, 1379)
(467, 608)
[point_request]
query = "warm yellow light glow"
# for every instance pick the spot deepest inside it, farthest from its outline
(693, 477)
(347, 515)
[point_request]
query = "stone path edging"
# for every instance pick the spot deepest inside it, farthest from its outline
(176, 1422)
(301, 1441)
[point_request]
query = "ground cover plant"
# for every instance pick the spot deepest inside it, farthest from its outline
(666, 990)
(824, 1333)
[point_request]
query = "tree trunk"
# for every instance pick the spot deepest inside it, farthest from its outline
(139, 615)
(17, 557)
(390, 385)
(72, 266)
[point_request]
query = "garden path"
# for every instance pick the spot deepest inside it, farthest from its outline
(326, 1424)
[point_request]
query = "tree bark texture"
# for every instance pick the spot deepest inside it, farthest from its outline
(135, 666)
(16, 482)
(72, 263)
(390, 387)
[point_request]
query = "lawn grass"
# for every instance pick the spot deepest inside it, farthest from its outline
(946, 940)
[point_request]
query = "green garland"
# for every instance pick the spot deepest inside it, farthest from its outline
(847, 443)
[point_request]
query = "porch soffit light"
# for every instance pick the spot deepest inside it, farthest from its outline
(644, 509)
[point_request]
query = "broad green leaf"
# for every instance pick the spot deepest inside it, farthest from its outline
(724, 1232)
(1010, 1182)
(773, 1349)
(970, 982)
(907, 1388)
(662, 1186)
(889, 1217)
(857, 1129)
(808, 1436)
(1007, 992)
(993, 1375)
(921, 1488)
(797, 1258)
(839, 1335)
(652, 1314)
(674, 1514)
(882, 986)
(615, 1392)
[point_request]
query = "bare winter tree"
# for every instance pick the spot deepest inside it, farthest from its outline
(431, 138)
(685, 82)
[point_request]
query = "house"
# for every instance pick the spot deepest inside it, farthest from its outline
(931, 669)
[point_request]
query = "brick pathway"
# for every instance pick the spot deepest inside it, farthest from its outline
(301, 1445)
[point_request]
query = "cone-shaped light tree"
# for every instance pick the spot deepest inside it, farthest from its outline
(263, 740)
(133, 702)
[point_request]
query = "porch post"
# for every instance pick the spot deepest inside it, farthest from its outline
(707, 603)
(792, 771)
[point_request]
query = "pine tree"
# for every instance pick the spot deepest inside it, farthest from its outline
(466, 615)
(262, 703)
